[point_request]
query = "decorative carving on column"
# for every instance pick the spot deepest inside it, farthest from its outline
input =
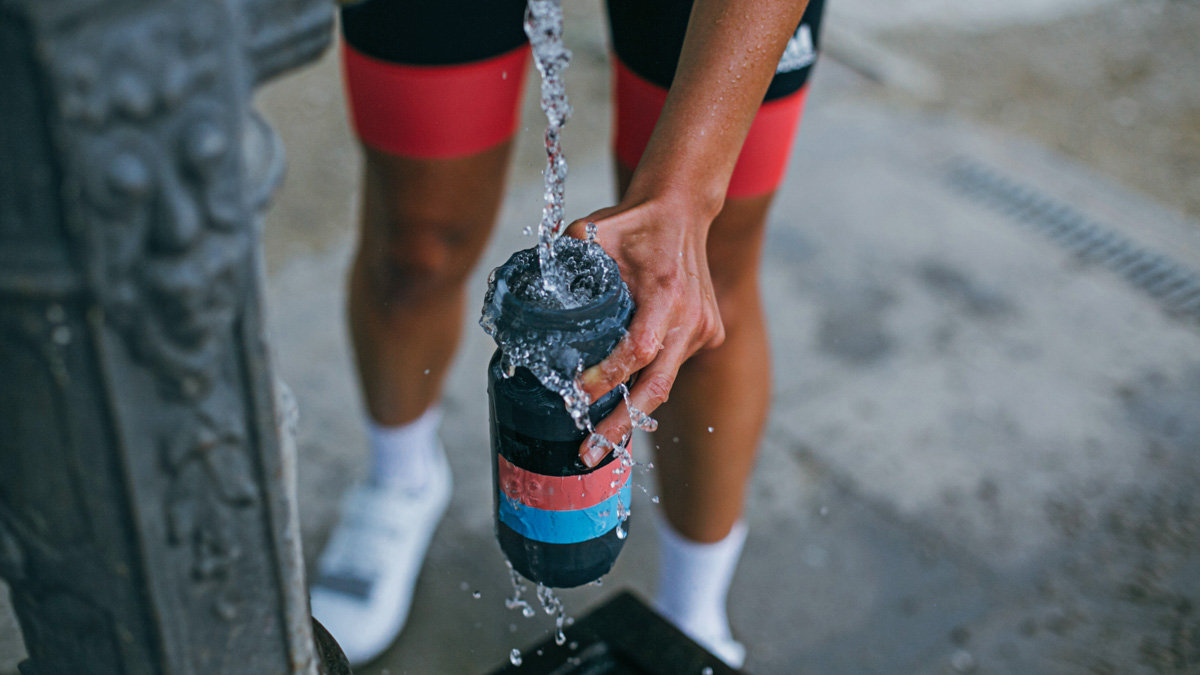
(153, 112)
(146, 523)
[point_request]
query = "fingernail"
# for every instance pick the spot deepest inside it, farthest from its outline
(597, 448)
(593, 456)
(590, 376)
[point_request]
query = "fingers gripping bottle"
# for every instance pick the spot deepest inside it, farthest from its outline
(558, 521)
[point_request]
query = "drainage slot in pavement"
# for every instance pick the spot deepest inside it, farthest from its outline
(1174, 286)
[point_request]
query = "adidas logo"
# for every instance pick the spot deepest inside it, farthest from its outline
(800, 51)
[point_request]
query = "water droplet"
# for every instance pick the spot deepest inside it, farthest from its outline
(654, 499)
(710, 430)
(464, 586)
(962, 661)
(477, 595)
(514, 657)
(706, 670)
(426, 371)
(573, 646)
(824, 511)
(527, 612)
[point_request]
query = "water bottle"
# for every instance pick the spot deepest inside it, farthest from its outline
(559, 522)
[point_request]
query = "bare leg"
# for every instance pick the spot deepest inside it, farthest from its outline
(424, 225)
(703, 473)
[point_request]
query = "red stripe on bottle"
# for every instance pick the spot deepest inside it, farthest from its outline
(434, 111)
(560, 493)
(764, 157)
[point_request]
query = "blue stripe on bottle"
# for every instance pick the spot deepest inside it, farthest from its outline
(564, 527)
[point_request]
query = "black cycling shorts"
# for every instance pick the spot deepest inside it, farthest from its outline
(444, 79)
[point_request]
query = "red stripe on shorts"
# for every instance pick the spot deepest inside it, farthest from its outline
(559, 493)
(764, 157)
(434, 111)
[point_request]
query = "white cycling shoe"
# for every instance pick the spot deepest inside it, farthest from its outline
(367, 572)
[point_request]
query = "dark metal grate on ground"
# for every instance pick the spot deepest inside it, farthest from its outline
(1174, 286)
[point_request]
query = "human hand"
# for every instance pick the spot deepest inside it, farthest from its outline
(659, 246)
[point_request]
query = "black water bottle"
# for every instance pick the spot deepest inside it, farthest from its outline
(558, 521)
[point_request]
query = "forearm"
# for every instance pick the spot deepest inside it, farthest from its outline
(728, 59)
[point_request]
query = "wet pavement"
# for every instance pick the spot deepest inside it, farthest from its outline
(983, 453)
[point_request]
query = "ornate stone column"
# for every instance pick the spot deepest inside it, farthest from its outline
(147, 515)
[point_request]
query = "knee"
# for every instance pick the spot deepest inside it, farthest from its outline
(417, 260)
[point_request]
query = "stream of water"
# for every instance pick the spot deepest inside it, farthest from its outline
(544, 27)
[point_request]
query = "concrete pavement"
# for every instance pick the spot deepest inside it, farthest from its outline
(982, 453)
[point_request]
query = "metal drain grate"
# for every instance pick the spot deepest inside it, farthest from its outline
(1176, 287)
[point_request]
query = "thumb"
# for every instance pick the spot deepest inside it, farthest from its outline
(578, 229)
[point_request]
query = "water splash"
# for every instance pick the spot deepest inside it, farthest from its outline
(553, 355)
(552, 604)
(518, 588)
(639, 419)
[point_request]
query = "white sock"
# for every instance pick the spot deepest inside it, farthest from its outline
(404, 457)
(693, 584)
